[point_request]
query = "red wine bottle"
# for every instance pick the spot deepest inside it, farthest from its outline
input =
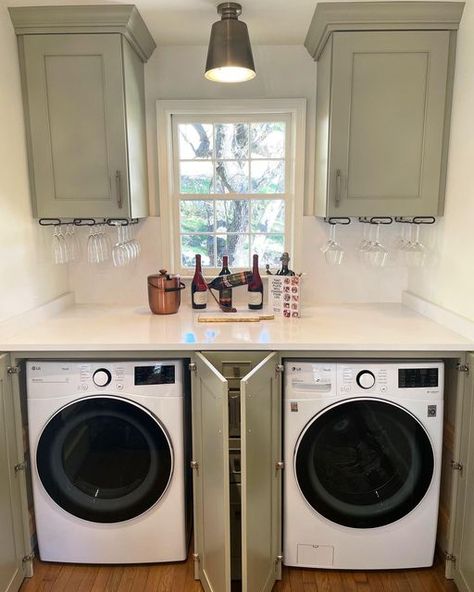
(198, 287)
(225, 295)
(255, 288)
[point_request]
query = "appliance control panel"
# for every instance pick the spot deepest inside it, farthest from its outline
(405, 379)
(314, 379)
(65, 378)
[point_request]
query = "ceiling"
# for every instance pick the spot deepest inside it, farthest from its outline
(188, 22)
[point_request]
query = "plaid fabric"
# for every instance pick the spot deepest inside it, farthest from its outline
(231, 281)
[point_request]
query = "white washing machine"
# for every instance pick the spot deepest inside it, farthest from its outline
(362, 447)
(107, 445)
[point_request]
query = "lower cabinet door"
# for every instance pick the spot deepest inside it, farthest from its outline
(464, 518)
(260, 405)
(211, 476)
(11, 550)
(260, 473)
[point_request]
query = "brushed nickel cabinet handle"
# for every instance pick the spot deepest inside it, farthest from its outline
(118, 188)
(337, 198)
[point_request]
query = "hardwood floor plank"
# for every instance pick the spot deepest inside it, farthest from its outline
(90, 574)
(103, 575)
(113, 582)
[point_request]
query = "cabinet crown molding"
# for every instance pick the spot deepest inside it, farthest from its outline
(124, 19)
(330, 17)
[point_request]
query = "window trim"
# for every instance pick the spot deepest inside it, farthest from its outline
(294, 109)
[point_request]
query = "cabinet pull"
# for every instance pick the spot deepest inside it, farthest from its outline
(337, 199)
(118, 188)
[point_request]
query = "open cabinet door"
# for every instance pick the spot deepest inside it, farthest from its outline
(464, 518)
(11, 540)
(260, 405)
(211, 476)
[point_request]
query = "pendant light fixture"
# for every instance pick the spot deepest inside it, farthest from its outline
(229, 58)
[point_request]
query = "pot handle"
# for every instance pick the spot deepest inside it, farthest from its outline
(180, 287)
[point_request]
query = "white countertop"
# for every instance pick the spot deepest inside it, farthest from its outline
(357, 327)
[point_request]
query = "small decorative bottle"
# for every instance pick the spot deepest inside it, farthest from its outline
(255, 287)
(198, 287)
(285, 259)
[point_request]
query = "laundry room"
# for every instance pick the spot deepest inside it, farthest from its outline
(236, 306)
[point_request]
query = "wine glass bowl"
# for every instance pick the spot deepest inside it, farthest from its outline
(332, 250)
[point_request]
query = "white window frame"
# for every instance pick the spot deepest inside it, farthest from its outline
(293, 112)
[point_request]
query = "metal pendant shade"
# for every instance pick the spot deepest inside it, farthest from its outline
(229, 57)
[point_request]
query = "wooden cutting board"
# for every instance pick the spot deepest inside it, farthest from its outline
(234, 317)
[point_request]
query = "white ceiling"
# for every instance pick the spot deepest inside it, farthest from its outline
(188, 22)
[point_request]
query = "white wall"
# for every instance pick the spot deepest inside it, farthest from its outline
(27, 279)
(282, 72)
(449, 280)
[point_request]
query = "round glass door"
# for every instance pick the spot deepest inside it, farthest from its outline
(104, 459)
(364, 463)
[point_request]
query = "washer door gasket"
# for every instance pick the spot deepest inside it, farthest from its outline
(364, 463)
(104, 459)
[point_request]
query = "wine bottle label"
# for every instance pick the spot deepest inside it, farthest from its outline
(200, 298)
(255, 298)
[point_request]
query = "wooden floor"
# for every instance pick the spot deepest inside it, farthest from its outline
(178, 577)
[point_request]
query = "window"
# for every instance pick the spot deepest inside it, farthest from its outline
(230, 181)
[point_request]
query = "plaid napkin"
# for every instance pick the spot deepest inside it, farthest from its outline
(230, 281)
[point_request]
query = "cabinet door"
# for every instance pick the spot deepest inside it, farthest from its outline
(74, 95)
(464, 518)
(11, 550)
(211, 478)
(388, 107)
(261, 478)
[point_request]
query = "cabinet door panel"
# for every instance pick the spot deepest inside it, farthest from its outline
(464, 518)
(388, 112)
(261, 480)
(211, 479)
(75, 102)
(11, 574)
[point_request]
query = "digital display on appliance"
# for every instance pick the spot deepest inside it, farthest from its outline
(158, 374)
(417, 377)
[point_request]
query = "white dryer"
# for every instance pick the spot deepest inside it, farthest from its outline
(362, 447)
(107, 445)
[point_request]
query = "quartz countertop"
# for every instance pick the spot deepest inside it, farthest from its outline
(348, 327)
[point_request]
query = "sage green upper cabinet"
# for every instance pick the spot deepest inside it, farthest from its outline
(384, 87)
(83, 86)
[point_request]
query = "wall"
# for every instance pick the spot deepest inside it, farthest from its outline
(27, 278)
(282, 72)
(449, 280)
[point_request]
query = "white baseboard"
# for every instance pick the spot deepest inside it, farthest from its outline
(35, 315)
(443, 316)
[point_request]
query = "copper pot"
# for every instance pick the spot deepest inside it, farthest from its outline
(164, 292)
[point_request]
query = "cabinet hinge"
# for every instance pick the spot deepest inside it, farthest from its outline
(280, 368)
(462, 368)
(450, 557)
(192, 367)
(29, 557)
(279, 465)
(279, 559)
(194, 465)
(196, 557)
(20, 466)
(13, 370)
(456, 466)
